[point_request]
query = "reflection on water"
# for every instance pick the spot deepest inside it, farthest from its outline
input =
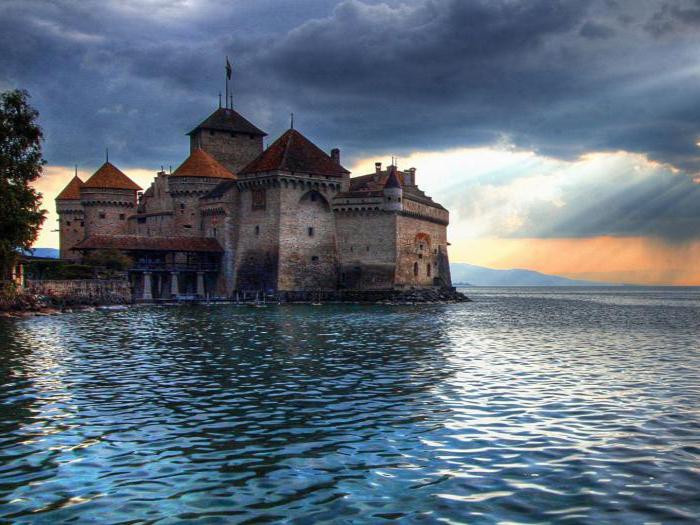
(525, 406)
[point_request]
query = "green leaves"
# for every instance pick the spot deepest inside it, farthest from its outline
(21, 163)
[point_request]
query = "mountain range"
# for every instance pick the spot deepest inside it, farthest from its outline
(470, 275)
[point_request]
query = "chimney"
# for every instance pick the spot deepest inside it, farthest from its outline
(412, 171)
(377, 167)
(335, 155)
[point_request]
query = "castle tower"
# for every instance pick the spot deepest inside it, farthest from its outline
(393, 192)
(228, 137)
(71, 226)
(287, 239)
(108, 198)
(193, 179)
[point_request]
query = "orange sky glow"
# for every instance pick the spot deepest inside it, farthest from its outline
(478, 239)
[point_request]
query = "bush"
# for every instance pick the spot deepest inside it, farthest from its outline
(109, 259)
(58, 270)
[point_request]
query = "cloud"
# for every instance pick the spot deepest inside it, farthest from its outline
(560, 77)
(555, 79)
(517, 194)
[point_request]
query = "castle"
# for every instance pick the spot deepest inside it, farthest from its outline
(236, 218)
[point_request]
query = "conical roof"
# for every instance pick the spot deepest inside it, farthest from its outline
(392, 181)
(294, 152)
(72, 191)
(201, 164)
(108, 176)
(226, 119)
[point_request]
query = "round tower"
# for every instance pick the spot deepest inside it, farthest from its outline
(393, 192)
(71, 221)
(108, 198)
(199, 174)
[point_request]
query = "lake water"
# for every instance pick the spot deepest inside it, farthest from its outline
(526, 406)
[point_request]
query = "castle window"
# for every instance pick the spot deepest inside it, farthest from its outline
(314, 258)
(415, 269)
(251, 137)
(367, 248)
(435, 251)
(257, 230)
(313, 197)
(398, 199)
(67, 223)
(103, 215)
(420, 255)
(122, 216)
(420, 247)
(258, 199)
(141, 220)
(82, 223)
(428, 269)
(233, 134)
(311, 231)
(187, 226)
(352, 248)
(212, 132)
(214, 232)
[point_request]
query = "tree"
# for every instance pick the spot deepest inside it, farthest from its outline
(21, 163)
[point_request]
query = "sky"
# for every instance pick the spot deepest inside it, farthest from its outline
(563, 136)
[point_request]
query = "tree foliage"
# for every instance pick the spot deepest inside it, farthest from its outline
(109, 259)
(21, 163)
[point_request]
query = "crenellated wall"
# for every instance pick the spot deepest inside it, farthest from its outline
(106, 211)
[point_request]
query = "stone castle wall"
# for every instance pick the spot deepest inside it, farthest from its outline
(71, 227)
(233, 150)
(85, 291)
(308, 255)
(419, 247)
(257, 257)
(106, 210)
(366, 249)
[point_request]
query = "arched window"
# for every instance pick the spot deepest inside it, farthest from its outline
(415, 269)
(428, 269)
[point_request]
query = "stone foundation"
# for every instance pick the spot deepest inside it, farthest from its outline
(82, 292)
(418, 295)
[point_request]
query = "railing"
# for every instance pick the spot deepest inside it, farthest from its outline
(155, 266)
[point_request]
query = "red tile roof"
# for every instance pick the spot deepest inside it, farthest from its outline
(225, 119)
(294, 152)
(150, 244)
(201, 164)
(110, 177)
(72, 191)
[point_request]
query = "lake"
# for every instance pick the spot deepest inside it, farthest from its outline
(533, 405)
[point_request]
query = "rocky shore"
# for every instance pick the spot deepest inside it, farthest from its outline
(27, 304)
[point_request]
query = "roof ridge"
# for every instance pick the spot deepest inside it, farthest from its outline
(287, 146)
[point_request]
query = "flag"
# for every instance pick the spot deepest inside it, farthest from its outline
(228, 69)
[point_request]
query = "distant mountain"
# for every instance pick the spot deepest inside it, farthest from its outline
(470, 275)
(50, 253)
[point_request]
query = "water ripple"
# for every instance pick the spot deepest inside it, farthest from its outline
(527, 406)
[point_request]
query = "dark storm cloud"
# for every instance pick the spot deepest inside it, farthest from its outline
(560, 77)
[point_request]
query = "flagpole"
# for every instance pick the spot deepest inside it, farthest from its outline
(226, 81)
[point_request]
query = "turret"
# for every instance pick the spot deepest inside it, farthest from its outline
(108, 198)
(228, 137)
(194, 178)
(393, 192)
(71, 227)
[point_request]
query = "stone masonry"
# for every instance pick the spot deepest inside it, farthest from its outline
(236, 219)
